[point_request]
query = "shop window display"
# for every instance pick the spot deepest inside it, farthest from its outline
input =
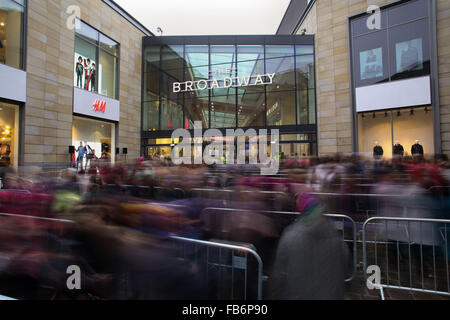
(95, 61)
(98, 135)
(11, 32)
(9, 116)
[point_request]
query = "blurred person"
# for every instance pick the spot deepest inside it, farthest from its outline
(311, 259)
(81, 154)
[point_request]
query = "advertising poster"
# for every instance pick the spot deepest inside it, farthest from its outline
(85, 72)
(409, 55)
(371, 63)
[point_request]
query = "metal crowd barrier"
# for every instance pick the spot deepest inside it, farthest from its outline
(411, 254)
(227, 194)
(232, 264)
(339, 223)
(368, 204)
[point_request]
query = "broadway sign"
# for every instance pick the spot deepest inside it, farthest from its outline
(227, 82)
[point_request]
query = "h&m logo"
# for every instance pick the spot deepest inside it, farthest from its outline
(99, 106)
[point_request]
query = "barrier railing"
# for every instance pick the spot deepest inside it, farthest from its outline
(233, 260)
(228, 269)
(367, 204)
(412, 254)
(339, 223)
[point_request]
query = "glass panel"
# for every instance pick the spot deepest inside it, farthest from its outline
(301, 50)
(412, 10)
(196, 110)
(223, 54)
(410, 50)
(220, 73)
(9, 135)
(374, 131)
(251, 109)
(152, 80)
(295, 150)
(371, 59)
(305, 72)
(152, 56)
(151, 116)
(85, 64)
(172, 58)
(171, 115)
(276, 51)
(159, 152)
(108, 73)
(247, 52)
(306, 107)
(98, 135)
(296, 137)
(197, 55)
(281, 108)
(284, 69)
(359, 25)
(87, 33)
(312, 106)
(194, 75)
(412, 126)
(167, 88)
(247, 73)
(109, 45)
(11, 33)
(223, 111)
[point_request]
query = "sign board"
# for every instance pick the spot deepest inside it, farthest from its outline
(95, 105)
(13, 83)
(396, 94)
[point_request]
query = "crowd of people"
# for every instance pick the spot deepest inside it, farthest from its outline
(116, 223)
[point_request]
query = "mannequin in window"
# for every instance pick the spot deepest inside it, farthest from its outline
(398, 149)
(378, 151)
(417, 149)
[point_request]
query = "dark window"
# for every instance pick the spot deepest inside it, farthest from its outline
(370, 56)
(410, 50)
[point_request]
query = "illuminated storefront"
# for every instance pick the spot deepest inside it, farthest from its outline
(228, 82)
(392, 80)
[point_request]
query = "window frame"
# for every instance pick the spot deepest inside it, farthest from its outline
(99, 49)
(23, 34)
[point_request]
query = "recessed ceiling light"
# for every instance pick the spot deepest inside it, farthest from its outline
(2, 24)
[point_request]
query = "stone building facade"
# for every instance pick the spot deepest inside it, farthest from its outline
(47, 113)
(328, 21)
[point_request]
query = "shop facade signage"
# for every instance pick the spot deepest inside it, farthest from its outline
(95, 105)
(224, 83)
(99, 106)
